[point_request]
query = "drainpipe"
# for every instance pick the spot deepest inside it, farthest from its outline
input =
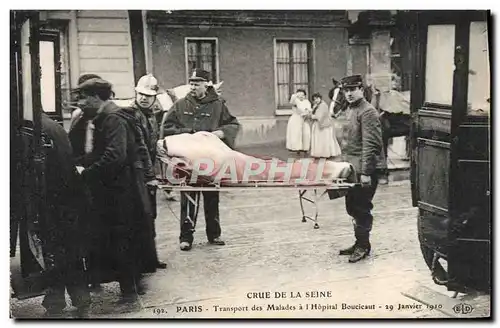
(148, 42)
(137, 40)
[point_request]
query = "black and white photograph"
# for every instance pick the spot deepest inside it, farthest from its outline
(250, 164)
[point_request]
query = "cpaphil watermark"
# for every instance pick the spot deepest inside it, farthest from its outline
(237, 170)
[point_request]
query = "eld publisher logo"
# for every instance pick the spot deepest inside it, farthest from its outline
(463, 308)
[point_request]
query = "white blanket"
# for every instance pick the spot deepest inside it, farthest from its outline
(206, 155)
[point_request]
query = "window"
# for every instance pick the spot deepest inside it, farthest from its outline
(201, 53)
(55, 34)
(48, 76)
(26, 71)
(293, 69)
(479, 70)
(439, 64)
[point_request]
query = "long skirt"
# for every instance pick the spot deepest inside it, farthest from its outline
(324, 142)
(298, 134)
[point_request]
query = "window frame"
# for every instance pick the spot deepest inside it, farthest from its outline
(61, 27)
(215, 40)
(471, 116)
(287, 109)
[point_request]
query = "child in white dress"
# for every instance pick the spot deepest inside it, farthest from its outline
(298, 133)
(324, 142)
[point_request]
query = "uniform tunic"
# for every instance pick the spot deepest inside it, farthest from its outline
(362, 146)
(189, 115)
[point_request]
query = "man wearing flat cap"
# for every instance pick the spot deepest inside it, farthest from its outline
(201, 110)
(81, 128)
(362, 147)
(115, 176)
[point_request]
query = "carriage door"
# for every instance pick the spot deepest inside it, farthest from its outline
(470, 223)
(432, 105)
(450, 162)
(27, 185)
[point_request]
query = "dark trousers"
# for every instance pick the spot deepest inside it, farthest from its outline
(152, 199)
(211, 209)
(358, 203)
(74, 282)
(154, 213)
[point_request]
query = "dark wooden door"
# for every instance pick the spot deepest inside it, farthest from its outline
(450, 161)
(27, 214)
(432, 105)
(469, 259)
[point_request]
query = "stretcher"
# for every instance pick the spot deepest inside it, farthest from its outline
(174, 167)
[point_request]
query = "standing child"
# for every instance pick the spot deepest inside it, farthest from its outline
(298, 133)
(323, 140)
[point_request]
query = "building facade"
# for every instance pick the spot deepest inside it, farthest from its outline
(262, 56)
(76, 42)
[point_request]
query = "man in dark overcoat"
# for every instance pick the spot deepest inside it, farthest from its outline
(115, 175)
(362, 146)
(201, 110)
(144, 107)
(81, 128)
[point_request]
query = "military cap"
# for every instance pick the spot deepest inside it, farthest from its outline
(200, 75)
(351, 81)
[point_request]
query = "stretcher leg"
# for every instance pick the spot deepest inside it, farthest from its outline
(314, 201)
(301, 194)
(196, 204)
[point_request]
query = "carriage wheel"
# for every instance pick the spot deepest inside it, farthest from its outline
(431, 258)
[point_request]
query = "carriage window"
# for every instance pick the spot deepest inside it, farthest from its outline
(439, 64)
(26, 72)
(48, 79)
(478, 102)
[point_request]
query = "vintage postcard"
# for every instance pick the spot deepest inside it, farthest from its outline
(188, 164)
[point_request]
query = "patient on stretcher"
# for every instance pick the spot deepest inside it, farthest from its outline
(204, 155)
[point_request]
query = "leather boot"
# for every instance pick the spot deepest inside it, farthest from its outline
(359, 253)
(347, 251)
(217, 241)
